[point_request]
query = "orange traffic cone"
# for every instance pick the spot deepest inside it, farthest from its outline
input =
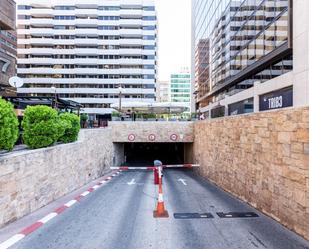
(160, 212)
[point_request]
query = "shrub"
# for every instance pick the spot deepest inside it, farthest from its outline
(42, 126)
(84, 117)
(8, 125)
(116, 114)
(72, 127)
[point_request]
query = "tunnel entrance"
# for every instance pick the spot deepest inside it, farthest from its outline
(141, 154)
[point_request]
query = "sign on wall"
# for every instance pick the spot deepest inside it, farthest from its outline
(278, 99)
(131, 137)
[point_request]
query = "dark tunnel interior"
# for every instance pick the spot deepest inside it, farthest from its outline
(142, 154)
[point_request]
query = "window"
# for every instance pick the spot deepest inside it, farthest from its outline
(108, 17)
(64, 8)
(149, 8)
(24, 7)
(64, 17)
(23, 17)
(148, 76)
(108, 8)
(149, 37)
(108, 27)
(149, 18)
(149, 47)
(149, 27)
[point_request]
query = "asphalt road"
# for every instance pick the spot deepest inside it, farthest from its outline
(120, 216)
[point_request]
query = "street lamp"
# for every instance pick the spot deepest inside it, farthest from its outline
(120, 90)
(54, 90)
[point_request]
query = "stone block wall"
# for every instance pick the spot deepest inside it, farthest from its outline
(263, 159)
(31, 179)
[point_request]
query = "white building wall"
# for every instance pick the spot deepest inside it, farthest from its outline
(301, 52)
(90, 65)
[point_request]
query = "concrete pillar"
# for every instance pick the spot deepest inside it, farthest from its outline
(301, 52)
(226, 110)
(256, 98)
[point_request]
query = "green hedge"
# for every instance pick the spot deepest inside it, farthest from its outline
(8, 125)
(72, 127)
(42, 126)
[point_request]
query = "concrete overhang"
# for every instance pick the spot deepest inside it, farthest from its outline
(152, 132)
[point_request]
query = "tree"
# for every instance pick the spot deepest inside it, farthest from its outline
(42, 126)
(72, 127)
(8, 125)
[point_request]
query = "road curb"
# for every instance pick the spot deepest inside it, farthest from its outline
(36, 225)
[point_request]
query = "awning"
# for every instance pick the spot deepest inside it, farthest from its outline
(23, 101)
(156, 108)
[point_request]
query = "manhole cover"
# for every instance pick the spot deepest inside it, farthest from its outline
(192, 215)
(237, 215)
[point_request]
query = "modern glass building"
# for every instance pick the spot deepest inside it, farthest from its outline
(236, 44)
(84, 50)
(180, 87)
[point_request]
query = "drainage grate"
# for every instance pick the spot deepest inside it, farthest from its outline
(192, 215)
(237, 215)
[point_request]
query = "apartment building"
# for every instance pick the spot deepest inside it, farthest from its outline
(85, 50)
(7, 46)
(163, 91)
(243, 55)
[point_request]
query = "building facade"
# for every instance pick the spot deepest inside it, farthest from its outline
(180, 87)
(239, 48)
(7, 45)
(163, 91)
(85, 50)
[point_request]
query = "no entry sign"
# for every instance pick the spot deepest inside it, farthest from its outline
(174, 137)
(152, 137)
(131, 137)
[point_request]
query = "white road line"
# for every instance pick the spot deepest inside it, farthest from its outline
(70, 203)
(48, 217)
(85, 193)
(103, 182)
(95, 186)
(183, 181)
(132, 182)
(11, 241)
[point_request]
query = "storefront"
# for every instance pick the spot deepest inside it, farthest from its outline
(275, 100)
(241, 107)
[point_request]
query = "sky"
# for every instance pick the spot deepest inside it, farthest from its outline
(174, 36)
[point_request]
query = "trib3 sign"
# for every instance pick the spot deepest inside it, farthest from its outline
(275, 102)
(277, 99)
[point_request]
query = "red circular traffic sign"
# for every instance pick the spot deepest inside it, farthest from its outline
(152, 137)
(131, 137)
(174, 137)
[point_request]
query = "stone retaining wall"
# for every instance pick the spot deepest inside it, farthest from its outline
(31, 179)
(263, 159)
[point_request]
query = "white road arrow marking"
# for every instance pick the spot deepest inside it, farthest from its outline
(183, 181)
(132, 182)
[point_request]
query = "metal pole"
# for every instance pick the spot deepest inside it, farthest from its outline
(55, 99)
(120, 101)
